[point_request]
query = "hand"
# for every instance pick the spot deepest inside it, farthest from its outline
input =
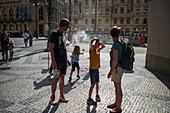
(109, 74)
(68, 43)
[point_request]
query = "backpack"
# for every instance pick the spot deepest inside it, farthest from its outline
(127, 58)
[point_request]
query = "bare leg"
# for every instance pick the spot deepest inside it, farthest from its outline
(119, 94)
(90, 91)
(6, 56)
(71, 73)
(61, 85)
(54, 85)
(97, 88)
(78, 70)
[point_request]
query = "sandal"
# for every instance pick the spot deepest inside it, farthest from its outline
(111, 106)
(115, 110)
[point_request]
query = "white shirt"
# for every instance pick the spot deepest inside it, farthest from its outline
(25, 35)
(126, 40)
(74, 40)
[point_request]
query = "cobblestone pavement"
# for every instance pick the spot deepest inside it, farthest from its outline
(25, 85)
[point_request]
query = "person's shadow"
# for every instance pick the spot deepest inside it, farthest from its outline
(93, 110)
(68, 87)
(54, 109)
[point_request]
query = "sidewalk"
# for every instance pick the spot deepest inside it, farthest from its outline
(25, 86)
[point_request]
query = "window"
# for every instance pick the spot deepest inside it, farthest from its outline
(86, 2)
(75, 2)
(41, 15)
(128, 21)
(17, 27)
(122, 1)
(115, 10)
(107, 10)
(138, 10)
(127, 30)
(137, 1)
(146, 1)
(93, 21)
(100, 2)
(121, 10)
(93, 11)
(128, 10)
(107, 1)
(116, 1)
(25, 12)
(121, 21)
(122, 32)
(5, 14)
(11, 27)
(76, 21)
(75, 11)
(86, 21)
(100, 11)
(115, 20)
(137, 21)
(11, 13)
(107, 20)
(93, 2)
(145, 10)
(145, 21)
(129, 1)
(86, 11)
(100, 21)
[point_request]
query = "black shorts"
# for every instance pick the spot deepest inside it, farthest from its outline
(25, 40)
(75, 64)
(62, 66)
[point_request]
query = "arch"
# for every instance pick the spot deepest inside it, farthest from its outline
(4, 13)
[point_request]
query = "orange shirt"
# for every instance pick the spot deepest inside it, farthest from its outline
(94, 59)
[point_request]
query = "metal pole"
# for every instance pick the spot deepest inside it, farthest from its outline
(36, 17)
(95, 14)
(69, 35)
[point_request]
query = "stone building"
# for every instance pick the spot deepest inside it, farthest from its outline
(19, 15)
(130, 15)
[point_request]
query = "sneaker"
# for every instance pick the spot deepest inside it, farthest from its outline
(53, 100)
(78, 76)
(50, 73)
(70, 79)
(98, 99)
(63, 98)
(91, 102)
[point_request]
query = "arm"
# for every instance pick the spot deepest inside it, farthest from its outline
(54, 65)
(103, 46)
(114, 62)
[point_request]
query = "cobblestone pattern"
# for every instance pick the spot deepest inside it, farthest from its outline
(25, 87)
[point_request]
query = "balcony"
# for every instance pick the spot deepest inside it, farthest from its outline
(8, 21)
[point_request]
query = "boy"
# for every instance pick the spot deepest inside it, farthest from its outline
(94, 69)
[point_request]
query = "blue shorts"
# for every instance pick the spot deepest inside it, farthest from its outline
(94, 76)
(75, 64)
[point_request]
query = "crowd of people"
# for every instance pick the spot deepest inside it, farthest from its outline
(59, 62)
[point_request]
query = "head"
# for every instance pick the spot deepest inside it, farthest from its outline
(4, 35)
(75, 31)
(76, 50)
(11, 42)
(25, 31)
(114, 32)
(64, 24)
(95, 41)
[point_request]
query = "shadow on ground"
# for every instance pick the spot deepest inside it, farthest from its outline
(164, 78)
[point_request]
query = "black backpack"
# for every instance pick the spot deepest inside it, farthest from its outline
(128, 54)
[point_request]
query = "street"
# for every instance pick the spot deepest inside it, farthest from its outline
(25, 84)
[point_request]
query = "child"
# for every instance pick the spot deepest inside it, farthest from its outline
(75, 61)
(94, 69)
(11, 50)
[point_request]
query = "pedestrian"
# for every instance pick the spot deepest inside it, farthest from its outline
(30, 39)
(26, 36)
(126, 40)
(74, 38)
(11, 45)
(5, 46)
(59, 59)
(75, 61)
(116, 72)
(94, 51)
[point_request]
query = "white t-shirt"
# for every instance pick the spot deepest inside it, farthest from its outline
(126, 40)
(25, 35)
(74, 40)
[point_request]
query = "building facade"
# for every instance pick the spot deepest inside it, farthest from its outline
(19, 15)
(98, 16)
